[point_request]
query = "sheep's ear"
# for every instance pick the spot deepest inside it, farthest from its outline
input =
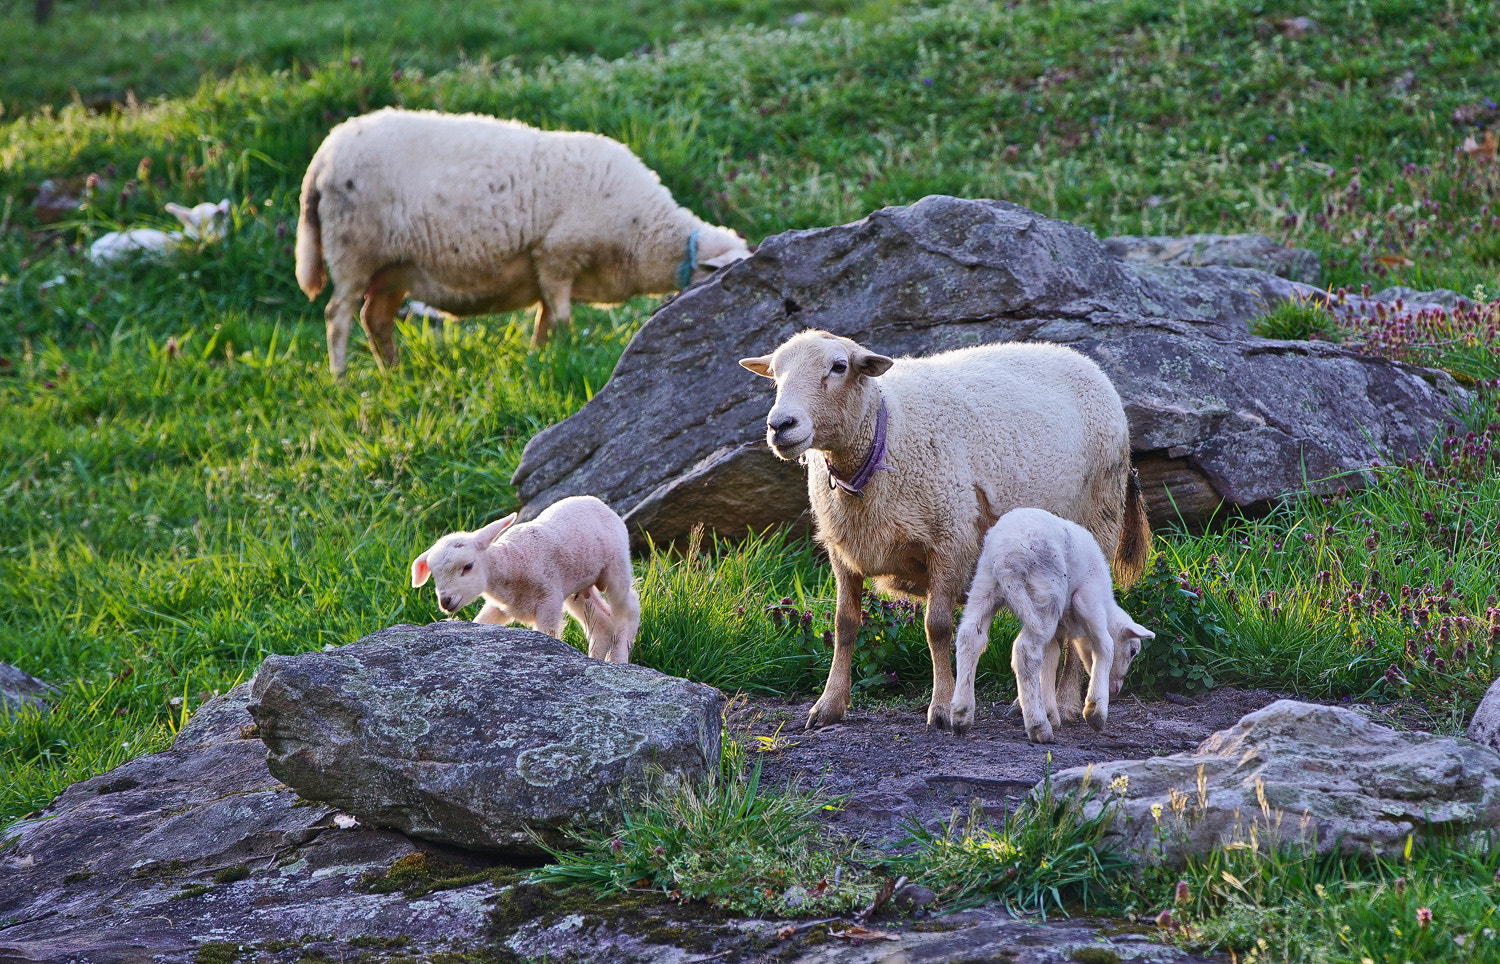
(419, 571)
(761, 365)
(871, 364)
(1138, 631)
(720, 260)
(489, 533)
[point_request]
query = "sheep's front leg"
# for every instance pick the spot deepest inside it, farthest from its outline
(1069, 694)
(557, 305)
(939, 626)
(848, 615)
(550, 618)
(1101, 650)
(378, 317)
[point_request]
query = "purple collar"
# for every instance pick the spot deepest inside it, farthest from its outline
(874, 462)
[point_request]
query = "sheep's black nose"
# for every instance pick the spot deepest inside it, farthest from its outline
(790, 422)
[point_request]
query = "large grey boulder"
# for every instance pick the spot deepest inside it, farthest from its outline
(481, 736)
(1230, 250)
(676, 437)
(199, 845)
(19, 690)
(1315, 776)
(1484, 726)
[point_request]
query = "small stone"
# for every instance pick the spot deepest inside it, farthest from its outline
(19, 690)
(794, 897)
(912, 896)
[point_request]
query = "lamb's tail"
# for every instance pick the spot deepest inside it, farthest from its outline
(1135, 535)
(311, 274)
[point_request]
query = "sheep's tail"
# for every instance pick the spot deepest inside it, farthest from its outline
(1135, 535)
(311, 274)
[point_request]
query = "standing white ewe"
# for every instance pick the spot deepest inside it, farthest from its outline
(910, 461)
(472, 215)
(533, 572)
(1051, 573)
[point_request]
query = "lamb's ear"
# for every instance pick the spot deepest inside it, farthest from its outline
(223, 206)
(870, 364)
(761, 365)
(185, 215)
(1138, 631)
(491, 532)
(419, 571)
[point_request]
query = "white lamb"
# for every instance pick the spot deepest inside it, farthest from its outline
(202, 222)
(1051, 573)
(471, 215)
(561, 561)
(910, 461)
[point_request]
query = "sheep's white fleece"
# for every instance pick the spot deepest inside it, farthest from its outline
(1051, 573)
(972, 434)
(532, 573)
(471, 214)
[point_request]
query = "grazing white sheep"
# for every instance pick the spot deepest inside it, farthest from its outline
(534, 572)
(910, 461)
(1052, 574)
(471, 215)
(201, 222)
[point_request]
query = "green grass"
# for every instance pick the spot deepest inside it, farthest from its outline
(102, 54)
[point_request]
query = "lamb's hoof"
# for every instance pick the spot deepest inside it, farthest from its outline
(1094, 716)
(1041, 733)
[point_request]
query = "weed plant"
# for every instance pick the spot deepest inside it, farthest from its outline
(1044, 857)
(727, 841)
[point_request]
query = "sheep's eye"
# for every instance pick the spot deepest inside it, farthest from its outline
(840, 366)
(467, 568)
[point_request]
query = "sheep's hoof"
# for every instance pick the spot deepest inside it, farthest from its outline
(1041, 733)
(962, 729)
(938, 718)
(823, 715)
(1094, 716)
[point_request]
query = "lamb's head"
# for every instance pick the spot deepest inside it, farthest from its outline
(717, 248)
(457, 566)
(821, 381)
(1129, 637)
(202, 222)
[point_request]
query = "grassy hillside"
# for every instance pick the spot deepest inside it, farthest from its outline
(185, 491)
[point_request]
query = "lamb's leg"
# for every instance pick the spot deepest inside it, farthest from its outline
(939, 625)
(595, 620)
(382, 299)
(550, 618)
(973, 640)
(493, 613)
(1028, 659)
(625, 605)
(1101, 648)
(557, 304)
(848, 616)
(1050, 654)
(340, 317)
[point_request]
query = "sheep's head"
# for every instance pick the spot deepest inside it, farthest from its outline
(1129, 637)
(717, 248)
(819, 378)
(202, 222)
(456, 565)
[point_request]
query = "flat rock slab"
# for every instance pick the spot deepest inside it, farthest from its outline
(1231, 250)
(676, 438)
(135, 865)
(893, 769)
(1314, 776)
(484, 737)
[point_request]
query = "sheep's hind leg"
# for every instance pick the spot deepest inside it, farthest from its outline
(1029, 661)
(939, 626)
(594, 616)
(340, 317)
(557, 306)
(834, 703)
(1069, 698)
(626, 607)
